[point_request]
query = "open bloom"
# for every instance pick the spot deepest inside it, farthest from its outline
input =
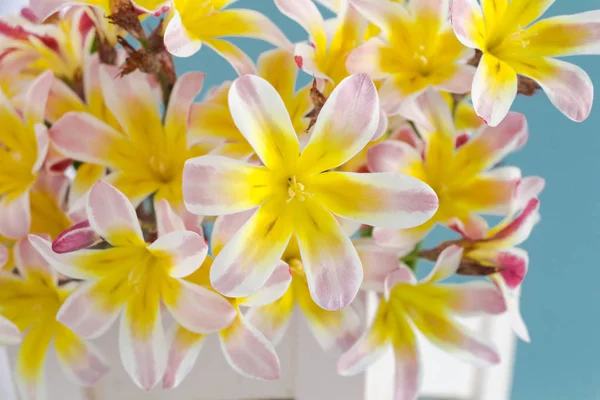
(331, 328)
(137, 277)
(429, 307)
(295, 196)
(144, 155)
(417, 50)
(23, 147)
(245, 348)
(212, 119)
(197, 22)
(45, 8)
(514, 44)
(462, 177)
(31, 301)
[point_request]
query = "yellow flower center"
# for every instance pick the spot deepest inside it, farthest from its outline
(297, 190)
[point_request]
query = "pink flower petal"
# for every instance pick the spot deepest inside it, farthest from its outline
(186, 251)
(183, 353)
(474, 298)
(45, 8)
(378, 262)
(345, 125)
(248, 352)
(225, 228)
(167, 220)
(274, 288)
(177, 41)
(367, 58)
(36, 98)
(79, 236)
(15, 216)
(401, 275)
(273, 319)
(187, 87)
(112, 216)
(387, 15)
(31, 264)
(467, 21)
(393, 156)
(446, 265)
(197, 308)
(473, 227)
(305, 13)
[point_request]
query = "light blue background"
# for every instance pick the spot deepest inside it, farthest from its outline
(560, 299)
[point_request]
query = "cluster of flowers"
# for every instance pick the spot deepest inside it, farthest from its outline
(318, 193)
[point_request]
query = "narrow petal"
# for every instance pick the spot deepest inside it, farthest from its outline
(407, 381)
(446, 265)
(494, 89)
(187, 87)
(513, 299)
(31, 359)
(195, 307)
(80, 361)
(521, 13)
(248, 352)
(338, 329)
(240, 61)
(305, 57)
(400, 276)
(334, 274)
(275, 287)
(512, 263)
(489, 147)
(472, 227)
(183, 353)
(461, 80)
(273, 319)
(390, 16)
(112, 216)
(15, 216)
(45, 8)
(260, 114)
(142, 341)
(568, 86)
(369, 348)
(178, 41)
(36, 98)
(474, 298)
(87, 175)
(369, 58)
(92, 309)
(306, 13)
(100, 139)
(249, 259)
(79, 236)
(216, 185)
(518, 230)
(576, 34)
(31, 264)
(185, 251)
(389, 200)
(345, 125)
(396, 156)
(467, 22)
(278, 68)
(9, 333)
(167, 220)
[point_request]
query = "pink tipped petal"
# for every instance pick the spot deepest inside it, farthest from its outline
(407, 380)
(45, 8)
(15, 216)
(142, 342)
(225, 227)
(63, 263)
(31, 264)
(112, 216)
(217, 185)
(378, 262)
(183, 353)
(187, 87)
(494, 89)
(186, 251)
(305, 13)
(568, 86)
(474, 298)
(513, 264)
(240, 61)
(389, 200)
(387, 15)
(36, 98)
(402, 275)
(197, 308)
(382, 128)
(513, 299)
(261, 116)
(345, 125)
(100, 138)
(248, 352)
(473, 227)
(80, 361)
(167, 220)
(334, 274)
(529, 188)
(250, 257)
(446, 265)
(9, 333)
(43, 143)
(273, 319)
(79, 236)
(393, 156)
(519, 229)
(467, 21)
(177, 41)
(90, 311)
(274, 288)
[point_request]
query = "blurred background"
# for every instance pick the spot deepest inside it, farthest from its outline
(560, 294)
